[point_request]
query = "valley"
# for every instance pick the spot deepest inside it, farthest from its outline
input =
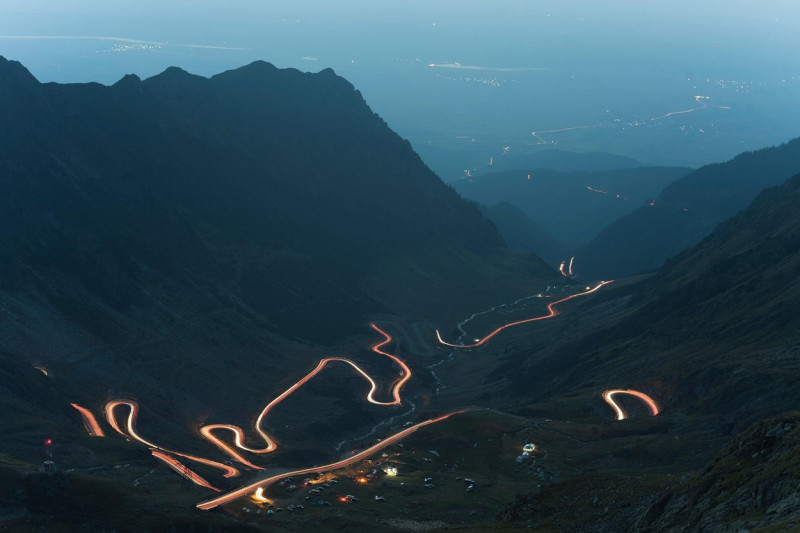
(243, 302)
(128, 427)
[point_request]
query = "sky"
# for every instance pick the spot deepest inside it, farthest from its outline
(465, 79)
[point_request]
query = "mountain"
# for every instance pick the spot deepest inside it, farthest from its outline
(522, 234)
(752, 483)
(712, 331)
(193, 241)
(562, 161)
(282, 187)
(572, 207)
(686, 211)
(712, 337)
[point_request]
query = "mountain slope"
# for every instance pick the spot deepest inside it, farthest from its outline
(190, 242)
(523, 234)
(713, 332)
(283, 186)
(712, 338)
(572, 207)
(686, 211)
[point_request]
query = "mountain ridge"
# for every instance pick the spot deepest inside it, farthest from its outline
(686, 211)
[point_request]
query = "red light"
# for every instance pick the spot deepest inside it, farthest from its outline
(48, 442)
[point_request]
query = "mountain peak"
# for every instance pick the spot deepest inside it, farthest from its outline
(12, 72)
(173, 75)
(128, 79)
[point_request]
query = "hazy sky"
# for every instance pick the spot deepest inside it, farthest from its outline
(626, 58)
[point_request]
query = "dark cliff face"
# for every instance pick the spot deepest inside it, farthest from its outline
(280, 189)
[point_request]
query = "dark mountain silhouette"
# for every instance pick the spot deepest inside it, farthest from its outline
(572, 207)
(188, 241)
(686, 211)
(281, 189)
(712, 336)
(561, 160)
(715, 328)
(523, 234)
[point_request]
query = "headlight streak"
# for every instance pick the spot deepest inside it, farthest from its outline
(608, 396)
(129, 429)
(551, 313)
(266, 482)
(257, 488)
(208, 430)
(89, 421)
(183, 470)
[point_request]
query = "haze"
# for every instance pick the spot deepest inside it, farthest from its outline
(619, 77)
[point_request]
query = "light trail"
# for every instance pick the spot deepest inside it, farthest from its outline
(42, 369)
(608, 396)
(266, 482)
(183, 470)
(551, 313)
(564, 270)
(699, 99)
(535, 134)
(89, 421)
(130, 431)
(208, 430)
(258, 495)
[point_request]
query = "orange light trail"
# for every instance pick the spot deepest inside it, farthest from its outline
(207, 431)
(130, 431)
(89, 421)
(266, 482)
(608, 396)
(551, 313)
(42, 369)
(183, 470)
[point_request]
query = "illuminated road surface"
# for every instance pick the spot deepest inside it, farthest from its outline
(208, 431)
(128, 429)
(183, 470)
(551, 313)
(566, 272)
(266, 482)
(89, 421)
(608, 396)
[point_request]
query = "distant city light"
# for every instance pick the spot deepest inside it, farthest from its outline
(391, 471)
